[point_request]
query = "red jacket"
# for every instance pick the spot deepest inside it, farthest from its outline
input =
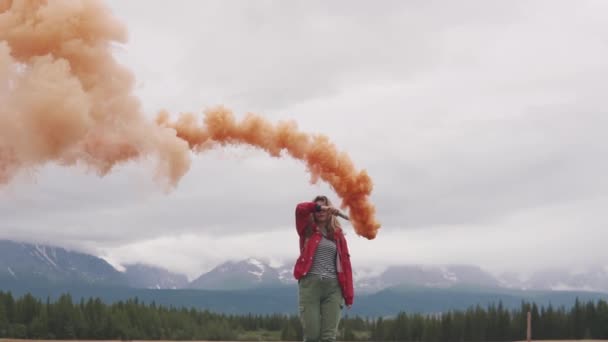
(308, 247)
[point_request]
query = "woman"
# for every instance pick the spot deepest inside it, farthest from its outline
(323, 270)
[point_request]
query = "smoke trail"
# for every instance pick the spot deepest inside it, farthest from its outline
(65, 99)
(322, 159)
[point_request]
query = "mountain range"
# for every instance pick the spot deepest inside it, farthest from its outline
(50, 271)
(33, 263)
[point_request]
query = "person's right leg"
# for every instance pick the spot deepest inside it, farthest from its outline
(310, 308)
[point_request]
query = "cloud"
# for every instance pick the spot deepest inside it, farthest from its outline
(481, 125)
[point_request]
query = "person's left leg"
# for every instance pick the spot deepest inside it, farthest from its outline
(331, 309)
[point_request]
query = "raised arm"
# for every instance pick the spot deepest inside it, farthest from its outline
(303, 211)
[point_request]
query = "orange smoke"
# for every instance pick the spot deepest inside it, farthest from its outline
(323, 160)
(65, 99)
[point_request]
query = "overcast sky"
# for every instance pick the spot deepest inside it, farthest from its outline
(482, 124)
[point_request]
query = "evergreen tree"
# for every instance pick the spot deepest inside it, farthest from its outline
(4, 323)
(378, 330)
(39, 328)
(28, 317)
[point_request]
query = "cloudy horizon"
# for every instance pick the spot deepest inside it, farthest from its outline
(480, 123)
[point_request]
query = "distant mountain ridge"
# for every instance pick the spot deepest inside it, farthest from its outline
(151, 277)
(39, 264)
(29, 263)
(238, 275)
(444, 276)
(593, 279)
(253, 286)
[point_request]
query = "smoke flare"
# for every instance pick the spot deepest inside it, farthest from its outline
(65, 99)
(219, 127)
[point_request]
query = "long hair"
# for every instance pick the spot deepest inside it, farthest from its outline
(332, 226)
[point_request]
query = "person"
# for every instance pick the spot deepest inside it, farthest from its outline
(323, 270)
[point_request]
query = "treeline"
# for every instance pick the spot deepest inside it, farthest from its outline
(495, 323)
(29, 317)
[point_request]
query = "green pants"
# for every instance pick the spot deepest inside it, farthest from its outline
(320, 308)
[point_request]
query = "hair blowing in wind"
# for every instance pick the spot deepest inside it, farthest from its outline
(65, 99)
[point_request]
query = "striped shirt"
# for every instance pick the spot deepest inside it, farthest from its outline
(324, 261)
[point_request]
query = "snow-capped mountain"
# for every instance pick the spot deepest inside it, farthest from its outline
(591, 279)
(39, 263)
(24, 263)
(234, 275)
(152, 277)
(252, 273)
(425, 276)
(286, 275)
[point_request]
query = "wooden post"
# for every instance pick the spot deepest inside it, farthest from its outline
(529, 333)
